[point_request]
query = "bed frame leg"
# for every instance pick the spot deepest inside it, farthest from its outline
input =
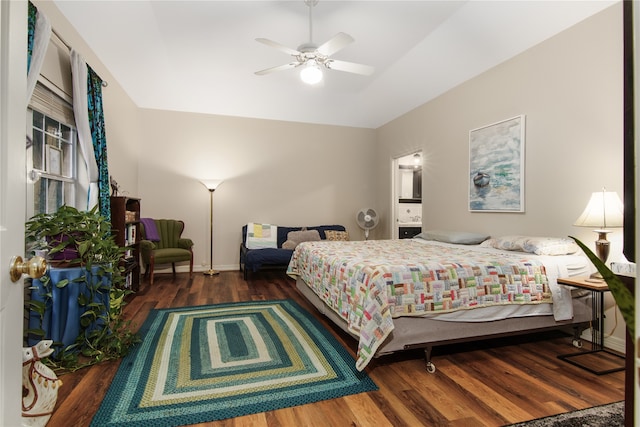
(431, 368)
(577, 336)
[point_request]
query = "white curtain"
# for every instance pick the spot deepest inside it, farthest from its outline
(41, 37)
(87, 184)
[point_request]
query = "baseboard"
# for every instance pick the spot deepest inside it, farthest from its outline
(197, 268)
(612, 343)
(615, 344)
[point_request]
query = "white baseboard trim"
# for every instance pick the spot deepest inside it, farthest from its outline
(196, 268)
(612, 343)
(229, 267)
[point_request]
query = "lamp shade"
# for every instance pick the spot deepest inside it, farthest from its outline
(604, 210)
(211, 184)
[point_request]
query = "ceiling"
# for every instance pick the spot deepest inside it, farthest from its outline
(200, 56)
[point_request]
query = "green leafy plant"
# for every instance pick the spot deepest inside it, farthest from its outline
(622, 295)
(71, 237)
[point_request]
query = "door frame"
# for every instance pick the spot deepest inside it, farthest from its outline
(395, 178)
(395, 162)
(13, 124)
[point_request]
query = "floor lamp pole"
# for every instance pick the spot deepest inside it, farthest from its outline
(211, 271)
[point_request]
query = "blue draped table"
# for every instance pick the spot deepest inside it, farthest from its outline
(61, 319)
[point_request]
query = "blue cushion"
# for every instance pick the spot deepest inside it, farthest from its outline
(256, 258)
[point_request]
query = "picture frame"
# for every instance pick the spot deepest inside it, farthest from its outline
(496, 166)
(54, 158)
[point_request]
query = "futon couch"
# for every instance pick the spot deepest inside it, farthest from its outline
(254, 259)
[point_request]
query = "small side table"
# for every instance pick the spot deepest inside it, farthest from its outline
(597, 315)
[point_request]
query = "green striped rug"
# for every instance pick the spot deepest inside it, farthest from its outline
(207, 363)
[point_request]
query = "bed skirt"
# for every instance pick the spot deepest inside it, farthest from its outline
(425, 332)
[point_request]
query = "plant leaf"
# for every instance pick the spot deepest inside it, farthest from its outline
(622, 295)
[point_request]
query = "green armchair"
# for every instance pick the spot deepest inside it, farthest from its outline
(168, 249)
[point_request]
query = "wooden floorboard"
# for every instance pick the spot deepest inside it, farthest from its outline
(490, 384)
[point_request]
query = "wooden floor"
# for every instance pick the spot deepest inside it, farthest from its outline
(491, 383)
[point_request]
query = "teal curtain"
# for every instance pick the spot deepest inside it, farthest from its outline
(38, 35)
(31, 33)
(98, 135)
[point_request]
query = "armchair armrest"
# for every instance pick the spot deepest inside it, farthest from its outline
(185, 243)
(243, 252)
(146, 247)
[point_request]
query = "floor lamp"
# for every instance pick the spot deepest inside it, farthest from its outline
(211, 185)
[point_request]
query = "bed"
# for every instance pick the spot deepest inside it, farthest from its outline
(394, 295)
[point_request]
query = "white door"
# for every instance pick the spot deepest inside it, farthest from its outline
(13, 112)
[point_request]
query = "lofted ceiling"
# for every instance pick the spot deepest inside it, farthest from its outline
(200, 56)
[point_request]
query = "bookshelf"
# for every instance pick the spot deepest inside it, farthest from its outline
(125, 222)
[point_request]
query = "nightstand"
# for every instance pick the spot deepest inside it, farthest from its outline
(598, 290)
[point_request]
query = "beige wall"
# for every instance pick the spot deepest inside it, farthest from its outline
(570, 89)
(274, 172)
(279, 172)
(122, 126)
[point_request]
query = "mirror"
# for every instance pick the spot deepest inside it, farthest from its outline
(410, 178)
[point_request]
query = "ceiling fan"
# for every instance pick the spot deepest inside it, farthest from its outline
(313, 57)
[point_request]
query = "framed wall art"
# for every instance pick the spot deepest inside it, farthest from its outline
(496, 166)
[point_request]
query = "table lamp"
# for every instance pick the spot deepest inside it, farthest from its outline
(604, 210)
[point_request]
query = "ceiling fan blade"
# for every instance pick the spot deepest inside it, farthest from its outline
(349, 67)
(278, 46)
(278, 68)
(334, 44)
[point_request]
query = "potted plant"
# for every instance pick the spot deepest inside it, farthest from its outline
(73, 238)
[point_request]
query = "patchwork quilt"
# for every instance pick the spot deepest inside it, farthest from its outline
(368, 283)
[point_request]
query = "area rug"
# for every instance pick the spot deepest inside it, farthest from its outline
(609, 415)
(199, 364)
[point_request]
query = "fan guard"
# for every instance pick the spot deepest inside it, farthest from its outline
(367, 219)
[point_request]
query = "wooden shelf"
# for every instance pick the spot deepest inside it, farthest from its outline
(584, 283)
(125, 223)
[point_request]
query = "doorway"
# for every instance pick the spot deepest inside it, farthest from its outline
(406, 198)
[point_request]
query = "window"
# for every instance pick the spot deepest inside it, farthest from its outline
(51, 153)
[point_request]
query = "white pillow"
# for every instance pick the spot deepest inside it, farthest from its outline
(534, 245)
(458, 237)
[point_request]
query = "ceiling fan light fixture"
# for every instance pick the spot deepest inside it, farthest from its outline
(310, 56)
(311, 74)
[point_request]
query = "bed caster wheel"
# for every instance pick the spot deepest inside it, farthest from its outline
(431, 368)
(577, 343)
